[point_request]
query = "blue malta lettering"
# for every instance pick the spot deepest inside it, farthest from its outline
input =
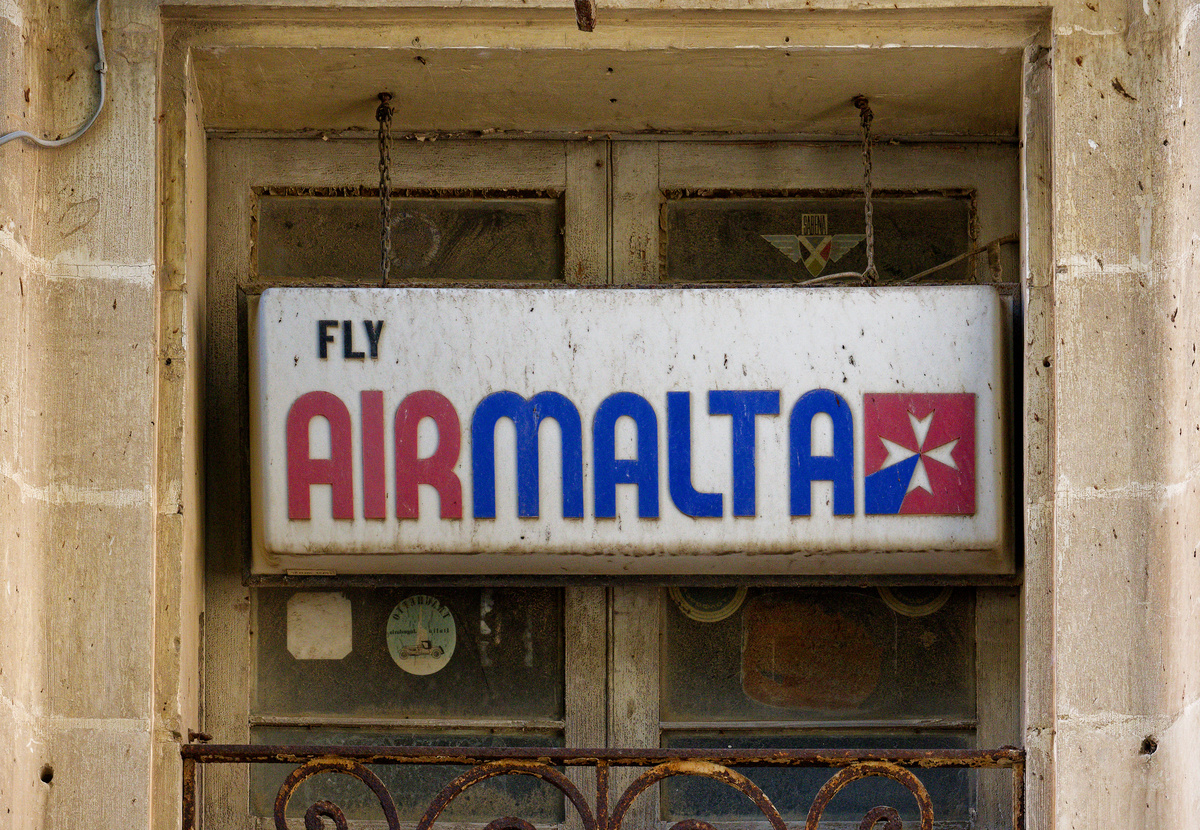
(609, 471)
(743, 407)
(687, 499)
(837, 468)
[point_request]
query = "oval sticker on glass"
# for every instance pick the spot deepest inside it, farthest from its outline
(421, 634)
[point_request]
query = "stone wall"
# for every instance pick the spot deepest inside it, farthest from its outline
(1173, 612)
(1109, 320)
(23, 751)
(78, 241)
(1125, 511)
(98, 431)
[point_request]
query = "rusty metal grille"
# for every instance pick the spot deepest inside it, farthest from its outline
(599, 812)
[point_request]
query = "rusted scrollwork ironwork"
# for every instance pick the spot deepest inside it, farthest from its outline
(705, 769)
(315, 815)
(483, 764)
(516, 767)
(876, 814)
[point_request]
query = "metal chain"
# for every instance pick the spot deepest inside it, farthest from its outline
(384, 116)
(870, 276)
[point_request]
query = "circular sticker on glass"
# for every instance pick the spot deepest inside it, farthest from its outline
(421, 635)
(708, 604)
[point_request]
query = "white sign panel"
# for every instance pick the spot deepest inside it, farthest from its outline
(640, 431)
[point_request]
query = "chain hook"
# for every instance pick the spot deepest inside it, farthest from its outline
(384, 116)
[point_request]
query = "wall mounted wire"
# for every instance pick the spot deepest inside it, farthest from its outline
(102, 71)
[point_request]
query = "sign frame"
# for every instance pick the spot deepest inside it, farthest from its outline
(996, 559)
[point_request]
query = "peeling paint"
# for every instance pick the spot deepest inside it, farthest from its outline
(11, 11)
(59, 493)
(60, 269)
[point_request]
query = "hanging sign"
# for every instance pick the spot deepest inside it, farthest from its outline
(639, 431)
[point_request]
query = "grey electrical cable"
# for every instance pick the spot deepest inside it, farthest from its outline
(102, 70)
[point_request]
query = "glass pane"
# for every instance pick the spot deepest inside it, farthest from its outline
(821, 655)
(412, 787)
(484, 653)
(792, 790)
(795, 239)
(337, 238)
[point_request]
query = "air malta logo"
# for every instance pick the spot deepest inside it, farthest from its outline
(919, 456)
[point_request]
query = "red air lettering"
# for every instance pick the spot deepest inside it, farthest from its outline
(303, 471)
(438, 469)
(373, 462)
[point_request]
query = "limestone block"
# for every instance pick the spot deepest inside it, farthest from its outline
(1186, 417)
(1177, 598)
(12, 61)
(1100, 134)
(1095, 16)
(12, 289)
(1039, 778)
(1038, 420)
(101, 774)
(1038, 618)
(1110, 407)
(1182, 363)
(1178, 787)
(179, 590)
(135, 15)
(97, 200)
(90, 399)
(1177, 588)
(8, 764)
(23, 794)
(1091, 16)
(180, 413)
(170, 667)
(1182, 349)
(184, 191)
(1176, 234)
(168, 793)
(98, 612)
(1102, 780)
(21, 576)
(68, 28)
(1107, 650)
(1174, 160)
(174, 372)
(18, 161)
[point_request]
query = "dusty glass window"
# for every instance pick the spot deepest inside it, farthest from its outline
(507, 658)
(818, 668)
(795, 238)
(834, 654)
(405, 667)
(336, 238)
